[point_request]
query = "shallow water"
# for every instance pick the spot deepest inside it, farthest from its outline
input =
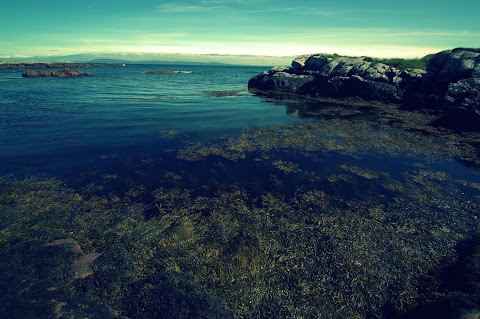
(188, 189)
(57, 120)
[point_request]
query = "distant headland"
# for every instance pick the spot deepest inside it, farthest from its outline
(54, 65)
(448, 81)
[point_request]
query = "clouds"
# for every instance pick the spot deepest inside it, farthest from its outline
(181, 8)
(260, 27)
(348, 41)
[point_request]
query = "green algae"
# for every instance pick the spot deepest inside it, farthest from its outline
(365, 173)
(227, 93)
(286, 167)
(314, 230)
(311, 255)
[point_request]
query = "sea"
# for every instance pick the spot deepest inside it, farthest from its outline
(53, 125)
(184, 188)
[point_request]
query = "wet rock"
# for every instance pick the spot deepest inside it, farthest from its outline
(280, 81)
(356, 86)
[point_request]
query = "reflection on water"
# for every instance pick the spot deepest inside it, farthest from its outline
(358, 210)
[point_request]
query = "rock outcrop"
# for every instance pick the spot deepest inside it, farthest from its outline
(450, 83)
(59, 74)
(330, 76)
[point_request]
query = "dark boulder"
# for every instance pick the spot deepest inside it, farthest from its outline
(454, 65)
(462, 105)
(280, 81)
(356, 86)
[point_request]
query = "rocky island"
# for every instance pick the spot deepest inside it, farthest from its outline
(450, 83)
(59, 74)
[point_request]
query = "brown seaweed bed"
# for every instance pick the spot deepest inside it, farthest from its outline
(361, 211)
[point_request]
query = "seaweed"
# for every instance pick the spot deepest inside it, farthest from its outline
(354, 214)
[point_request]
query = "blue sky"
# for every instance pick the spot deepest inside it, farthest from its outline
(237, 27)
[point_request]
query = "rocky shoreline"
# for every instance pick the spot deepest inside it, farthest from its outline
(450, 83)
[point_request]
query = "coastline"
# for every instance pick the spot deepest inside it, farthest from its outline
(450, 83)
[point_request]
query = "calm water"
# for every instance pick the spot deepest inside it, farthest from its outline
(185, 189)
(51, 124)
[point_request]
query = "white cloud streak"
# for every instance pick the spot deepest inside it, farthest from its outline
(183, 8)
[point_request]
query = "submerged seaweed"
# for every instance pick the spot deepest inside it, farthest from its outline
(354, 214)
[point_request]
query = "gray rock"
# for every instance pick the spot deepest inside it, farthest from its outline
(345, 66)
(316, 62)
(276, 69)
(465, 93)
(360, 67)
(453, 65)
(327, 69)
(299, 61)
(413, 74)
(279, 69)
(380, 72)
(476, 71)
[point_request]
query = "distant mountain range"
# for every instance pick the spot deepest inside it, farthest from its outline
(158, 58)
(114, 61)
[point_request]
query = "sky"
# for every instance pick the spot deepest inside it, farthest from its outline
(381, 28)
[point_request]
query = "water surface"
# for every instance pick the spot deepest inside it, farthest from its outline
(186, 196)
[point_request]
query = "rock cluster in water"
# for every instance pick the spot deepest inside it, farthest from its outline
(159, 72)
(60, 74)
(450, 83)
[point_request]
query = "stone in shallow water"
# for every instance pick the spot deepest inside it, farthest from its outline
(82, 264)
